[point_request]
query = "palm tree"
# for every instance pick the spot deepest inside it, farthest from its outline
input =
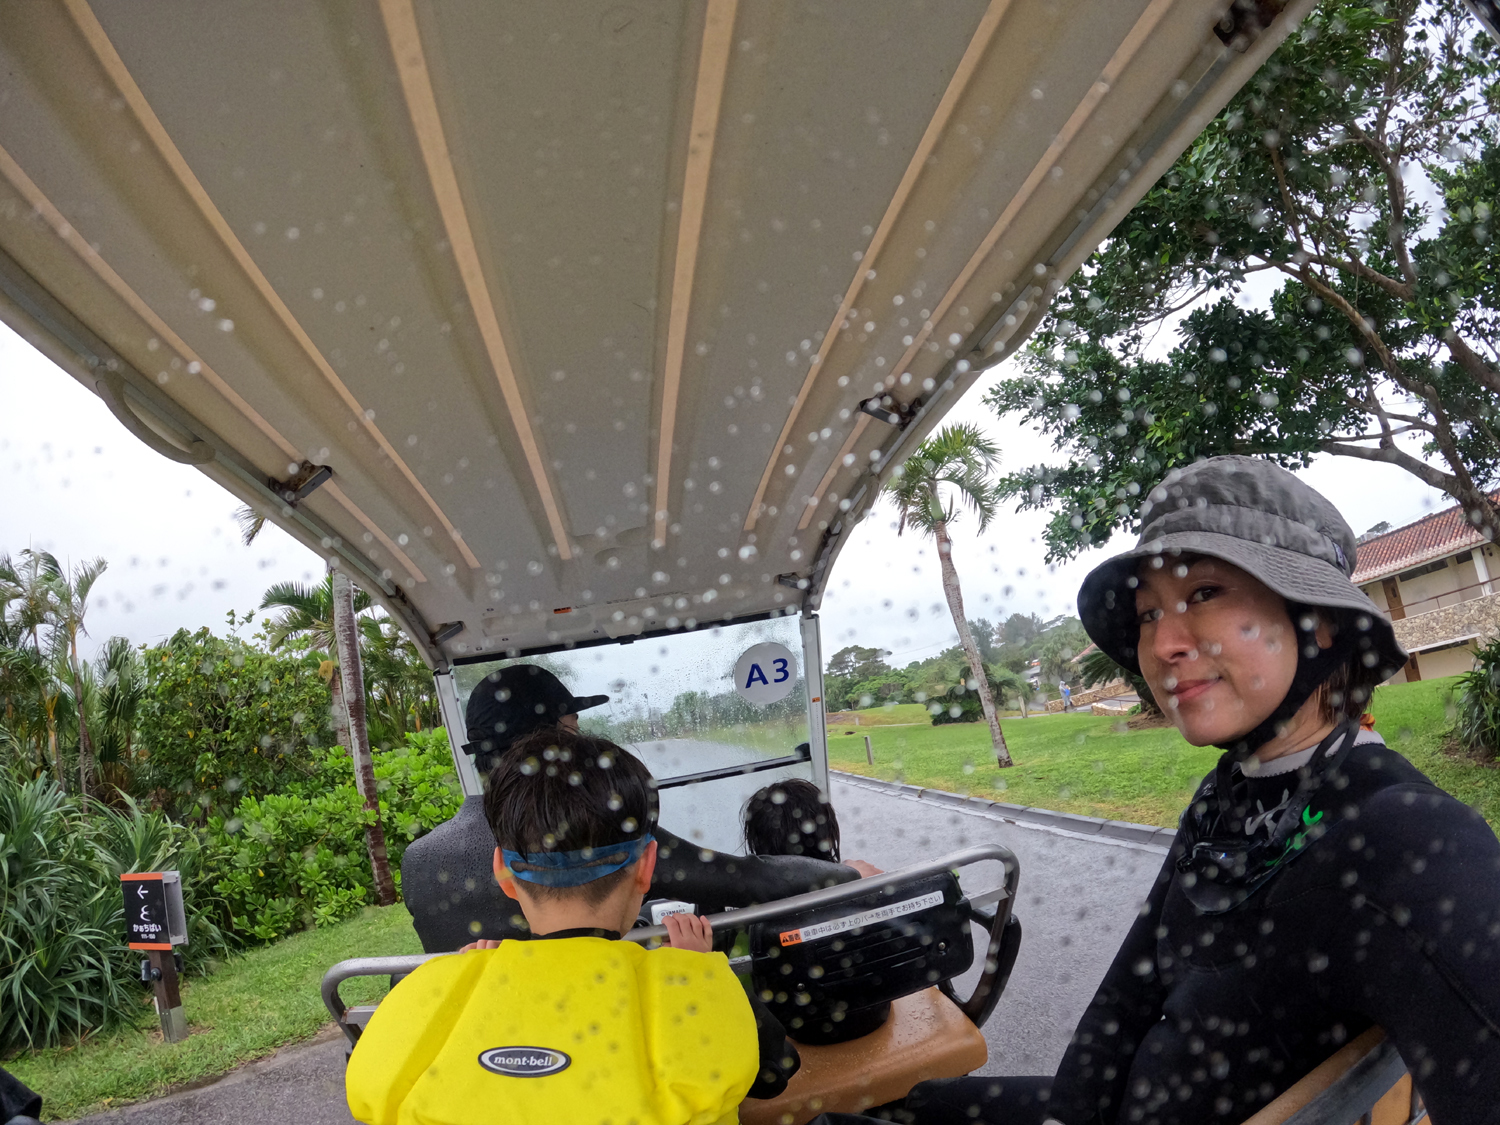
(22, 675)
(346, 635)
(323, 615)
(948, 472)
(71, 603)
(398, 684)
(29, 591)
(122, 687)
(1096, 667)
(307, 614)
(1007, 684)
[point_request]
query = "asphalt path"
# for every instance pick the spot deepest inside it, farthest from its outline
(1078, 895)
(697, 812)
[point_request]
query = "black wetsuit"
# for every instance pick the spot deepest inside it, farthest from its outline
(18, 1105)
(1390, 917)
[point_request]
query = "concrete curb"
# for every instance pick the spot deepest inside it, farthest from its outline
(1049, 818)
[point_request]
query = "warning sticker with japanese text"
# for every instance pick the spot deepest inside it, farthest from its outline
(854, 921)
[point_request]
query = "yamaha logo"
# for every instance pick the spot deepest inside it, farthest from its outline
(524, 1062)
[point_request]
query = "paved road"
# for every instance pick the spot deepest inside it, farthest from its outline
(1078, 896)
(696, 812)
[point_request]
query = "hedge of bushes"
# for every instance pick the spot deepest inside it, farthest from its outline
(273, 864)
(291, 860)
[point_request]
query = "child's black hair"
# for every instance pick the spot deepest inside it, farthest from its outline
(791, 818)
(557, 790)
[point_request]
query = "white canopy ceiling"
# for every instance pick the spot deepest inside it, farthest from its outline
(578, 302)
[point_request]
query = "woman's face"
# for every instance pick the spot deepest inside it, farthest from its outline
(1217, 646)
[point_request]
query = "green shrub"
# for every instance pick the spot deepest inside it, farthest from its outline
(60, 926)
(1477, 695)
(221, 718)
(64, 967)
(288, 861)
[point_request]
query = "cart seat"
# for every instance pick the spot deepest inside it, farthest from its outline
(927, 1036)
(1362, 1082)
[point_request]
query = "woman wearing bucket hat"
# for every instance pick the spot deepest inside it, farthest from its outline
(1319, 884)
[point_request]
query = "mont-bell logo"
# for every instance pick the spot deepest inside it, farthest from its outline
(524, 1062)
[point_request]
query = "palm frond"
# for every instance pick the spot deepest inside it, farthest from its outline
(251, 523)
(948, 473)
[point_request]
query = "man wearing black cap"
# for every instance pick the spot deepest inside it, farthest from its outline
(513, 702)
(446, 876)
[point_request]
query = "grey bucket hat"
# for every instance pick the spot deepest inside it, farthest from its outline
(1250, 513)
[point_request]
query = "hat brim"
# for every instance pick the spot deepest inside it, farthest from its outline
(1106, 601)
(584, 702)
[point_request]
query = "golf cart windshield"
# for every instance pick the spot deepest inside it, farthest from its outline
(710, 737)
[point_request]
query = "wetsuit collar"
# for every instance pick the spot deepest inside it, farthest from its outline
(579, 931)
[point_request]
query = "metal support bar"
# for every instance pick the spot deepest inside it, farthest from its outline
(735, 771)
(817, 711)
(364, 967)
(832, 896)
(446, 688)
(1355, 1092)
(163, 963)
(1487, 12)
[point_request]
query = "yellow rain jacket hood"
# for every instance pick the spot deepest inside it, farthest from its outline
(582, 1030)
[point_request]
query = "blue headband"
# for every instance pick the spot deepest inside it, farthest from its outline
(573, 869)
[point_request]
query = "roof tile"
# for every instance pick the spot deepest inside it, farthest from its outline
(1443, 533)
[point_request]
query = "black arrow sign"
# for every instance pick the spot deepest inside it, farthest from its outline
(146, 913)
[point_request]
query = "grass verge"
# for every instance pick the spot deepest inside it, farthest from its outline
(255, 1003)
(1090, 764)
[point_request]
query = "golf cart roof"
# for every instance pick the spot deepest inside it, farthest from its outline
(578, 303)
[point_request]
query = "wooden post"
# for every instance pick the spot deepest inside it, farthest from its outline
(869, 752)
(168, 995)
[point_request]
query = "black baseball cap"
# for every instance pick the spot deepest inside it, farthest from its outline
(512, 702)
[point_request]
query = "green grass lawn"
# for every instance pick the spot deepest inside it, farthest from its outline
(1089, 764)
(890, 714)
(887, 714)
(255, 1003)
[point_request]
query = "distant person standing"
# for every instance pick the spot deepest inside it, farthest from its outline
(1067, 694)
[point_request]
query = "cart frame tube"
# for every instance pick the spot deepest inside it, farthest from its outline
(453, 719)
(817, 713)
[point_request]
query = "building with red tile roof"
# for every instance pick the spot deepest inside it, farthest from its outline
(1443, 533)
(1434, 578)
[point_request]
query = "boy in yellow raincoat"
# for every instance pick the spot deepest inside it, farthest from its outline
(572, 1025)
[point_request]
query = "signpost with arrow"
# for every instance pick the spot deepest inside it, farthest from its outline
(156, 923)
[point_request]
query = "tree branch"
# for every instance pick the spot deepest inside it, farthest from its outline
(1388, 361)
(1471, 361)
(1286, 198)
(1412, 423)
(1390, 455)
(1384, 436)
(1373, 403)
(1360, 269)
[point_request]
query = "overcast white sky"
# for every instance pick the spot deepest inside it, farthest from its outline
(77, 484)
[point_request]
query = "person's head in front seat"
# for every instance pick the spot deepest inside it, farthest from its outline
(573, 818)
(511, 703)
(791, 817)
